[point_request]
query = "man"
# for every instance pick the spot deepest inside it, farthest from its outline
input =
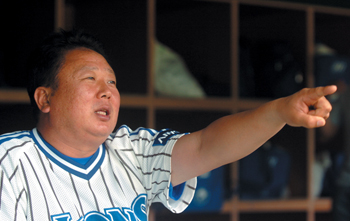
(72, 167)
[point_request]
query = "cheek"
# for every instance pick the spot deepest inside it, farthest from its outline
(68, 102)
(116, 97)
(83, 95)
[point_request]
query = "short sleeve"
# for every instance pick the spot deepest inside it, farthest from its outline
(148, 152)
(166, 140)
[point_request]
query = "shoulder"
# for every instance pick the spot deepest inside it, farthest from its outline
(126, 138)
(14, 139)
(141, 131)
(13, 147)
(147, 135)
(125, 133)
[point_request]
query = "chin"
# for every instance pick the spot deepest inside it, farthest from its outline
(104, 132)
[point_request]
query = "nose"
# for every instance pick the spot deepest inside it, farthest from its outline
(106, 95)
(105, 91)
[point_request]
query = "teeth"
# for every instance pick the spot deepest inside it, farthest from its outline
(102, 112)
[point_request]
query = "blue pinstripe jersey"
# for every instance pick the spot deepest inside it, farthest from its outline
(128, 172)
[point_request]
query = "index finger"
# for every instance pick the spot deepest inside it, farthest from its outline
(318, 92)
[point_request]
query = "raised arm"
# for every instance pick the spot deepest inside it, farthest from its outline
(233, 137)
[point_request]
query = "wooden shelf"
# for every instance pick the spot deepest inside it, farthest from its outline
(142, 101)
(13, 95)
(289, 205)
(293, 6)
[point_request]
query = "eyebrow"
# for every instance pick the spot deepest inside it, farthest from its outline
(93, 68)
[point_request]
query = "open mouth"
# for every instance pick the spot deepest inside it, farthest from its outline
(102, 112)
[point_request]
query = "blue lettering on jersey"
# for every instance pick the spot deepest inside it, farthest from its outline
(163, 137)
(61, 217)
(137, 212)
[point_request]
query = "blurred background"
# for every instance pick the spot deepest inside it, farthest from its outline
(181, 64)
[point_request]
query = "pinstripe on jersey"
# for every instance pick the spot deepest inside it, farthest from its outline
(129, 172)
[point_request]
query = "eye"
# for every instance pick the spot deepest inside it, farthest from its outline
(90, 78)
(112, 82)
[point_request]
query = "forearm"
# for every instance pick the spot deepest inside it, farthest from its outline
(226, 140)
(240, 134)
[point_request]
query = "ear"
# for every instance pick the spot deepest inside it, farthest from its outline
(42, 98)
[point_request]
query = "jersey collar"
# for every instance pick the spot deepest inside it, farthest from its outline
(84, 171)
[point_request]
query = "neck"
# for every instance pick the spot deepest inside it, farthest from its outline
(69, 144)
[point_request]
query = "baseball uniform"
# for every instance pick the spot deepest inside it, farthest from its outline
(128, 172)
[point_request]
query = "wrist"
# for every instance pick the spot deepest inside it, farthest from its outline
(275, 112)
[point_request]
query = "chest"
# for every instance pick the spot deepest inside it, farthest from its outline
(113, 192)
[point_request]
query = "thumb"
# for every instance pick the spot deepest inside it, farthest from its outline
(311, 121)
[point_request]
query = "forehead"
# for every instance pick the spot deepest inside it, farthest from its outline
(82, 59)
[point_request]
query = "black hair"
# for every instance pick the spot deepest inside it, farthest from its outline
(47, 59)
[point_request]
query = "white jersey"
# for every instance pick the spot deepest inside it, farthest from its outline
(121, 180)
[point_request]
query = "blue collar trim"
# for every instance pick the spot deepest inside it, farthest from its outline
(71, 166)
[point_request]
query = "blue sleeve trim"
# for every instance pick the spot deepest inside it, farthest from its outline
(176, 192)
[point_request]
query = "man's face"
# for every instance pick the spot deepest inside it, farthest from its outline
(86, 102)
